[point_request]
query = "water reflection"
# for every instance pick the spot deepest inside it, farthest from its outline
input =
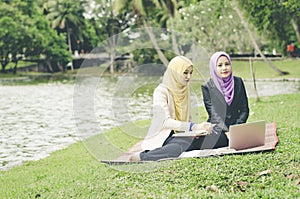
(39, 119)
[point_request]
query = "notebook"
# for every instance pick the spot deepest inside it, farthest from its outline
(190, 133)
(247, 135)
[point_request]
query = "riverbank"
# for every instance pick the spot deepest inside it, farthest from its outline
(75, 172)
(263, 72)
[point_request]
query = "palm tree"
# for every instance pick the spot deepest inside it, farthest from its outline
(142, 9)
(65, 15)
(168, 10)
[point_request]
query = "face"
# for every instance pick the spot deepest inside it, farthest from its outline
(187, 74)
(223, 67)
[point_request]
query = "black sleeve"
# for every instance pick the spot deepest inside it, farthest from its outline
(206, 100)
(244, 109)
(213, 114)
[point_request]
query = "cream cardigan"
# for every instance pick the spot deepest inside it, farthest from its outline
(163, 120)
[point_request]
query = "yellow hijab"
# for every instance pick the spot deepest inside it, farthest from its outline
(174, 80)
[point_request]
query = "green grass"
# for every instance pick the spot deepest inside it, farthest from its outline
(263, 70)
(21, 64)
(75, 172)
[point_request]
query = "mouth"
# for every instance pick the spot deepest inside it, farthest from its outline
(225, 73)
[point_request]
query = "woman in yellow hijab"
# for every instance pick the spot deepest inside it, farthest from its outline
(171, 114)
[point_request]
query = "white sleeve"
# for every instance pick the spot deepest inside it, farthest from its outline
(162, 111)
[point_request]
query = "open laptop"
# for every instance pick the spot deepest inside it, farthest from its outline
(247, 135)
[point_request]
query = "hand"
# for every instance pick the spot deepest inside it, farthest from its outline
(204, 126)
(227, 134)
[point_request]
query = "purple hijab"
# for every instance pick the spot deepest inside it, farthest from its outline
(226, 85)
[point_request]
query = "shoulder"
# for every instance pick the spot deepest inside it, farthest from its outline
(208, 84)
(238, 79)
(161, 89)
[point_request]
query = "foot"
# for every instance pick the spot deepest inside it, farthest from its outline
(135, 157)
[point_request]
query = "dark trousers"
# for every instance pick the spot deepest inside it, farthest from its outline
(174, 146)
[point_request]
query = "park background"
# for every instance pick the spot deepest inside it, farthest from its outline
(47, 46)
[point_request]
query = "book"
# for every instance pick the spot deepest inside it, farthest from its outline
(190, 133)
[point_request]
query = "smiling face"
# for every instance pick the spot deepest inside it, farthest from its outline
(187, 74)
(223, 67)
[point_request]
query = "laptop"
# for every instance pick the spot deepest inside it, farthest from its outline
(247, 135)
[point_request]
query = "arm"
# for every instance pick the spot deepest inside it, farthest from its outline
(244, 109)
(162, 118)
(206, 100)
(214, 109)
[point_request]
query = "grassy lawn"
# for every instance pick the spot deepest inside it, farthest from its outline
(262, 70)
(75, 172)
(241, 68)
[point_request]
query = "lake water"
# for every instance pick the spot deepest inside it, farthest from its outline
(39, 119)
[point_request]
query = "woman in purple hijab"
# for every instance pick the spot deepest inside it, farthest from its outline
(225, 99)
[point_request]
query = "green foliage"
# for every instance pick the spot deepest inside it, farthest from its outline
(149, 55)
(12, 35)
(215, 26)
(29, 34)
(293, 7)
(268, 16)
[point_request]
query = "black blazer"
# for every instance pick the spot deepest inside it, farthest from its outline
(219, 112)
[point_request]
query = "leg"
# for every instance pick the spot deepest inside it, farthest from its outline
(213, 141)
(172, 149)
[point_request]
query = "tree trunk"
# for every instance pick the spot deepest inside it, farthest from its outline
(15, 60)
(60, 67)
(236, 8)
(296, 28)
(161, 55)
(48, 63)
(253, 79)
(174, 40)
(69, 44)
(4, 63)
(112, 47)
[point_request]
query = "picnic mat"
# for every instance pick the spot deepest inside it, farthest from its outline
(271, 141)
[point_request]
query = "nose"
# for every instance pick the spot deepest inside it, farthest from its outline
(224, 66)
(189, 75)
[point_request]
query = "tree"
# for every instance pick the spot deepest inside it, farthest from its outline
(167, 11)
(214, 25)
(144, 11)
(236, 8)
(46, 44)
(25, 33)
(268, 16)
(108, 25)
(66, 16)
(293, 8)
(12, 34)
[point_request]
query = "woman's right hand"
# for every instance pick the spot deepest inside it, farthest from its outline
(204, 126)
